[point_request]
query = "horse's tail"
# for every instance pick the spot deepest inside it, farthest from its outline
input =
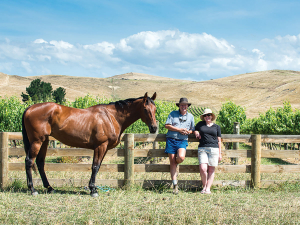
(26, 140)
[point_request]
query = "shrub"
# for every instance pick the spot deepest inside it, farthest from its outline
(230, 113)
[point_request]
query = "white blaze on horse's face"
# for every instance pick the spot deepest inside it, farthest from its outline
(149, 112)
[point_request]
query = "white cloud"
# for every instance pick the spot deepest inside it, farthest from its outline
(259, 53)
(123, 46)
(175, 43)
(65, 57)
(61, 44)
(168, 53)
(40, 41)
(148, 39)
(9, 51)
(104, 47)
(193, 45)
(43, 57)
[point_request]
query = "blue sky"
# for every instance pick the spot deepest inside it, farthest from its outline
(194, 40)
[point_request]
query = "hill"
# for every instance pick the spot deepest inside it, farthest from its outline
(256, 91)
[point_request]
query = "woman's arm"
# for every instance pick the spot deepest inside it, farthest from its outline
(220, 148)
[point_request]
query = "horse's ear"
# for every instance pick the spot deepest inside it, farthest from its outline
(145, 97)
(153, 96)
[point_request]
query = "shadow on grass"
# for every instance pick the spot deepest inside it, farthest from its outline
(18, 186)
(44, 191)
(161, 188)
(275, 161)
(285, 186)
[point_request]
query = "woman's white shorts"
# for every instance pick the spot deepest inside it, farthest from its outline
(208, 155)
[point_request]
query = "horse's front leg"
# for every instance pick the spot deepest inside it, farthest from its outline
(99, 154)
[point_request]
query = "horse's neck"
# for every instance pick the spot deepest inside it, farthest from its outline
(128, 116)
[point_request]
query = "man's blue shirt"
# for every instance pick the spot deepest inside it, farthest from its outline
(181, 121)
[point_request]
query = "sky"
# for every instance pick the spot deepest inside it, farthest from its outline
(191, 39)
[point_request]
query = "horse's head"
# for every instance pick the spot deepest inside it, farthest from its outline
(148, 114)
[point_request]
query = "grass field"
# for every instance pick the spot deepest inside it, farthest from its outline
(275, 205)
(226, 205)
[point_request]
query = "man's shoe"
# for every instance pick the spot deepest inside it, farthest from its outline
(175, 191)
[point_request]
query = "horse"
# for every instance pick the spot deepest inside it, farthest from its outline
(98, 128)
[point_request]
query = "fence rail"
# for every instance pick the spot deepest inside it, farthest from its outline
(129, 168)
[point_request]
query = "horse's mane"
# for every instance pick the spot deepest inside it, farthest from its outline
(122, 103)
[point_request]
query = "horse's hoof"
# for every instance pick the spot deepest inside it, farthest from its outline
(34, 193)
(94, 195)
(50, 191)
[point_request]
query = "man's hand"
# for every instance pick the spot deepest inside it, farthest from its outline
(184, 131)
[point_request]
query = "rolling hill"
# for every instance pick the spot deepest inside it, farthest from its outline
(257, 92)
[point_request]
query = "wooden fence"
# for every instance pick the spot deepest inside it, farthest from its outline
(129, 168)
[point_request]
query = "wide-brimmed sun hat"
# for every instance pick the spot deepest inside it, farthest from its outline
(183, 101)
(208, 111)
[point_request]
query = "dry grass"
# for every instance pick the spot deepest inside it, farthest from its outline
(256, 91)
(226, 205)
(138, 206)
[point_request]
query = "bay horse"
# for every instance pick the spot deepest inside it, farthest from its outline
(98, 128)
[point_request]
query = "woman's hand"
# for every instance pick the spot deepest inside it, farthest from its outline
(197, 134)
(220, 156)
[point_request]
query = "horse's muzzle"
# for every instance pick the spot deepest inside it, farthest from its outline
(152, 129)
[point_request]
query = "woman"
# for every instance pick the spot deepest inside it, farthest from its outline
(180, 124)
(209, 149)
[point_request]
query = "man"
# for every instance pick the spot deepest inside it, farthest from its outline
(180, 124)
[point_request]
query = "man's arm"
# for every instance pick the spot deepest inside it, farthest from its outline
(183, 131)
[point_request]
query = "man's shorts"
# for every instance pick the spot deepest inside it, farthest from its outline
(172, 145)
(208, 155)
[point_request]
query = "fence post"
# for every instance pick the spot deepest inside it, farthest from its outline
(129, 160)
(235, 145)
(255, 160)
(3, 159)
(155, 143)
(54, 144)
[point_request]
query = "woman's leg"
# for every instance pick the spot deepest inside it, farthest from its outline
(203, 174)
(210, 177)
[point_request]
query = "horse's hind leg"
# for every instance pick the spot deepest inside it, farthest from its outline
(29, 164)
(40, 162)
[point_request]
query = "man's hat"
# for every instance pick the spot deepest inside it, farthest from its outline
(183, 101)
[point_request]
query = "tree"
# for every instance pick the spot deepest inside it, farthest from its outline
(38, 91)
(59, 95)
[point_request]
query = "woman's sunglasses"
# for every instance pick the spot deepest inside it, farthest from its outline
(206, 115)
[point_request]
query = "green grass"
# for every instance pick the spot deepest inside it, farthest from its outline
(278, 205)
